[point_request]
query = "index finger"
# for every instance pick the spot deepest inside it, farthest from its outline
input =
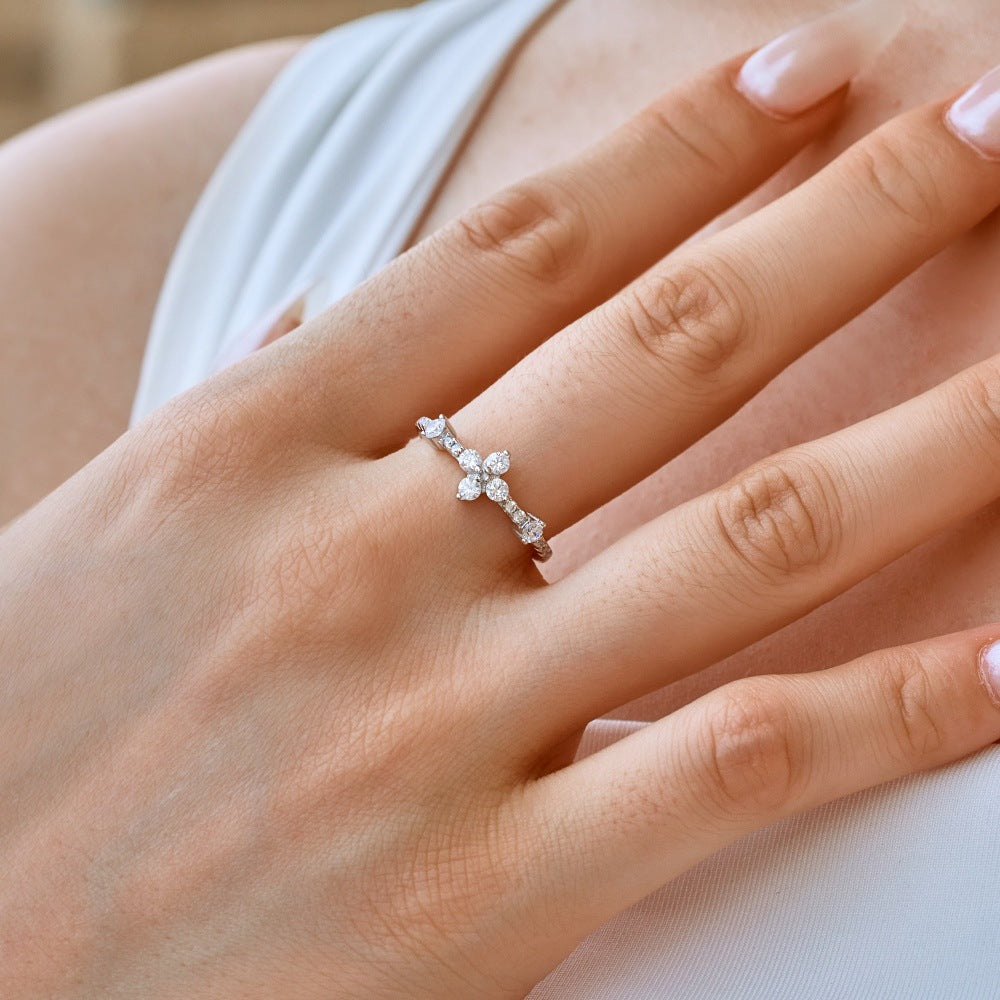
(451, 315)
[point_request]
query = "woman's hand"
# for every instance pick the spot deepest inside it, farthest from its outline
(281, 717)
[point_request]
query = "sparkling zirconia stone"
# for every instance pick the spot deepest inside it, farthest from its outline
(497, 489)
(447, 440)
(497, 463)
(532, 529)
(469, 488)
(432, 428)
(455, 448)
(470, 460)
(518, 516)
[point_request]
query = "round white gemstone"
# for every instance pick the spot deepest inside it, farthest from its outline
(432, 428)
(497, 463)
(469, 488)
(470, 460)
(497, 489)
(532, 529)
(518, 516)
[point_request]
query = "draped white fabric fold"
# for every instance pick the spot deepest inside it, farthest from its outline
(892, 893)
(328, 177)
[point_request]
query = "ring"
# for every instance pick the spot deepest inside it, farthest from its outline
(482, 476)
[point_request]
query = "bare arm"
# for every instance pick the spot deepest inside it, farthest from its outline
(91, 206)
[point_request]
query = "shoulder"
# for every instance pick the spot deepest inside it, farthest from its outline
(92, 203)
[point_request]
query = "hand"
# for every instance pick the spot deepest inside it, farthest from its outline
(280, 717)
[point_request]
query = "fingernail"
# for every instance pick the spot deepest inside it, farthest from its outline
(989, 669)
(975, 116)
(810, 62)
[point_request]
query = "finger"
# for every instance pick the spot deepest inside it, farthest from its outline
(638, 380)
(615, 826)
(776, 541)
(448, 317)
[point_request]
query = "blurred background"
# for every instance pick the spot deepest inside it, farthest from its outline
(56, 53)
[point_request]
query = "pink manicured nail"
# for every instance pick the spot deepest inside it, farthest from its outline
(975, 116)
(989, 669)
(810, 62)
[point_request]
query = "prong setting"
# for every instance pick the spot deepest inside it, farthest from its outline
(483, 477)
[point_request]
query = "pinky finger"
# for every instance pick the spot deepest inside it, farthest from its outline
(615, 826)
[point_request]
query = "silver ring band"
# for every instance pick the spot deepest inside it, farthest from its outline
(482, 477)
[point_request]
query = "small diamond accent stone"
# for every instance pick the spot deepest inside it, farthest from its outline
(470, 460)
(518, 516)
(532, 529)
(432, 428)
(447, 440)
(469, 488)
(497, 463)
(455, 448)
(497, 489)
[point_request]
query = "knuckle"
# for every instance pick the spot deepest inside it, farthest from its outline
(975, 409)
(781, 518)
(196, 445)
(688, 319)
(751, 750)
(917, 733)
(677, 122)
(902, 178)
(315, 567)
(316, 564)
(536, 227)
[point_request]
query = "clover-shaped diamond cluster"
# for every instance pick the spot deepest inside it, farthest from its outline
(482, 475)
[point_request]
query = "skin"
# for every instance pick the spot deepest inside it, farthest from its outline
(268, 751)
(934, 324)
(64, 400)
(103, 190)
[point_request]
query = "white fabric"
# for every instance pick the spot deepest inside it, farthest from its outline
(327, 179)
(890, 893)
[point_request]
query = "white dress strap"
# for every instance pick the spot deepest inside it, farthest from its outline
(327, 178)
